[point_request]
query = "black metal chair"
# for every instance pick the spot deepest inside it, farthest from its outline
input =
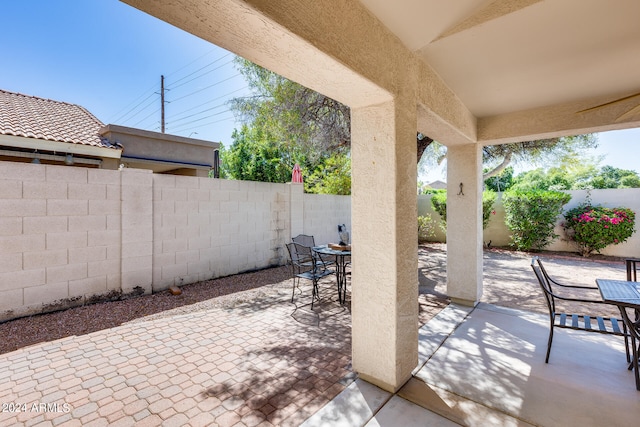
(308, 242)
(582, 322)
(305, 266)
(632, 269)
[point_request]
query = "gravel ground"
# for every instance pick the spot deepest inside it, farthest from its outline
(224, 292)
(504, 285)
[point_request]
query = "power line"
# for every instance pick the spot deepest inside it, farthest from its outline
(179, 118)
(214, 99)
(195, 60)
(125, 114)
(121, 116)
(189, 126)
(208, 87)
(198, 113)
(141, 110)
(152, 113)
(202, 68)
(206, 117)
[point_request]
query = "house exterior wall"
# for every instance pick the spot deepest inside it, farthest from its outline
(72, 235)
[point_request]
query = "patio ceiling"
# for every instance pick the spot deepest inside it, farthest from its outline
(495, 70)
(503, 57)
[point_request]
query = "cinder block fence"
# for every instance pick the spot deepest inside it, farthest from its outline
(70, 235)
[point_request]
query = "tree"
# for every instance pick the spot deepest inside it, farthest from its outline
(610, 177)
(298, 115)
(499, 182)
(579, 177)
(297, 112)
(254, 156)
(496, 158)
(331, 176)
(293, 112)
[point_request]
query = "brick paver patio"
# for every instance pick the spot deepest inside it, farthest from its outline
(263, 362)
(259, 363)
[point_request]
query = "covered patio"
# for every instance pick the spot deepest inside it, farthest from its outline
(467, 74)
(261, 360)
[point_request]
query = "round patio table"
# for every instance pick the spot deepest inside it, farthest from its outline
(341, 266)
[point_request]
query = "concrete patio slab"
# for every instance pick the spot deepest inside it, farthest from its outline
(496, 358)
(489, 371)
(437, 330)
(400, 412)
(354, 406)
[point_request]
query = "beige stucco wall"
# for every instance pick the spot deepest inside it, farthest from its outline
(162, 152)
(499, 235)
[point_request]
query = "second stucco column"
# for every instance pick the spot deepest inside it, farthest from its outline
(464, 223)
(384, 236)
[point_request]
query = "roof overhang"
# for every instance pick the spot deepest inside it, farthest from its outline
(488, 71)
(166, 151)
(59, 147)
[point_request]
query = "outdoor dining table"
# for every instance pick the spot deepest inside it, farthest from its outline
(341, 266)
(625, 295)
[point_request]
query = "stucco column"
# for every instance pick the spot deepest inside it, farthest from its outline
(384, 224)
(464, 223)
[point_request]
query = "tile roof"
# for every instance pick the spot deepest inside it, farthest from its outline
(33, 117)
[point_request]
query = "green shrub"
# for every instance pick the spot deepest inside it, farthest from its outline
(488, 199)
(426, 228)
(531, 216)
(593, 228)
(439, 204)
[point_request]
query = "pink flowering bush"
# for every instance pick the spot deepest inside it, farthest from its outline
(593, 228)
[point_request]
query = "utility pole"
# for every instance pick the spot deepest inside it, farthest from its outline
(162, 103)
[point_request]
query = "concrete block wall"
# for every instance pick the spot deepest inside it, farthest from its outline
(60, 236)
(205, 228)
(137, 231)
(322, 214)
(70, 235)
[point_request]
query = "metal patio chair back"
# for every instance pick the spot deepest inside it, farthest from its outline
(582, 322)
(304, 266)
(308, 243)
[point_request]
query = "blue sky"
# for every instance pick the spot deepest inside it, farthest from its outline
(108, 57)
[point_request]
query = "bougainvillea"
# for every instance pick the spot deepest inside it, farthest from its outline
(593, 228)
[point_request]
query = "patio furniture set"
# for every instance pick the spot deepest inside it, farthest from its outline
(312, 263)
(623, 294)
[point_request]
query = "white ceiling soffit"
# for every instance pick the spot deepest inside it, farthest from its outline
(502, 56)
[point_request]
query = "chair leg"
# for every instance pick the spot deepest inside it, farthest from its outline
(635, 362)
(293, 293)
(626, 345)
(314, 292)
(549, 342)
